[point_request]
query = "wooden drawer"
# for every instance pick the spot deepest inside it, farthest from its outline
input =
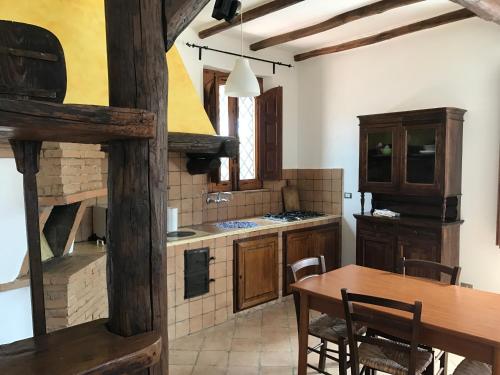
(370, 228)
(416, 233)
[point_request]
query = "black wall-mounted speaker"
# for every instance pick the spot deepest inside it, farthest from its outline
(225, 9)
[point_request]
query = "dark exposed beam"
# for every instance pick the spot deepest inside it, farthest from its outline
(137, 182)
(249, 15)
(486, 9)
(338, 20)
(177, 15)
(411, 28)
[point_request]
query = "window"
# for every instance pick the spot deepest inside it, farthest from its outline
(235, 117)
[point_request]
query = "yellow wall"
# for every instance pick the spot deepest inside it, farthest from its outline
(185, 111)
(80, 27)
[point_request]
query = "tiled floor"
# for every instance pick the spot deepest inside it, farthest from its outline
(261, 342)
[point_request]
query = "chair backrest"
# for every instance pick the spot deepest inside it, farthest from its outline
(356, 315)
(453, 272)
(301, 270)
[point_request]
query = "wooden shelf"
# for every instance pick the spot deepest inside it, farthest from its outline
(30, 120)
(85, 349)
(21, 282)
(203, 144)
(71, 198)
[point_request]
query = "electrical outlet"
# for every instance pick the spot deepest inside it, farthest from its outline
(466, 285)
(348, 195)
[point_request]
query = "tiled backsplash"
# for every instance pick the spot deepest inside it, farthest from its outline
(319, 190)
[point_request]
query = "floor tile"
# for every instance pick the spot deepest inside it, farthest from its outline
(180, 370)
(212, 358)
(183, 357)
(244, 359)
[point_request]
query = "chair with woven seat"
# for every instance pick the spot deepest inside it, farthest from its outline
(469, 367)
(437, 269)
(378, 353)
(324, 327)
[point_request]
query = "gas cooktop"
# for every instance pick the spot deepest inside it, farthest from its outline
(293, 215)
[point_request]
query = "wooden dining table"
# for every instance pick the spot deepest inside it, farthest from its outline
(455, 319)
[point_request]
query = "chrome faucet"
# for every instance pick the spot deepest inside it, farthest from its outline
(219, 197)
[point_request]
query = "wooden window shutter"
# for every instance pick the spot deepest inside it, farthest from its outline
(270, 116)
(210, 95)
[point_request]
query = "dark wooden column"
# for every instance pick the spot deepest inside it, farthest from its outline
(27, 156)
(137, 174)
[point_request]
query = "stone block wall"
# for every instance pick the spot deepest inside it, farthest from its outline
(75, 290)
(68, 168)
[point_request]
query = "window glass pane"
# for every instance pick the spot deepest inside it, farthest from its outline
(380, 157)
(420, 155)
(246, 135)
(224, 129)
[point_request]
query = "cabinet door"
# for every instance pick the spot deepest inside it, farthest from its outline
(376, 252)
(297, 246)
(414, 248)
(326, 241)
(421, 172)
(379, 159)
(257, 271)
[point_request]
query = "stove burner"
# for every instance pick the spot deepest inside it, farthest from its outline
(293, 216)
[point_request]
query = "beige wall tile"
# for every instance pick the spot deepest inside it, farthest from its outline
(209, 319)
(195, 308)
(208, 304)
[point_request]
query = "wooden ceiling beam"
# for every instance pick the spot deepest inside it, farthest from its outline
(338, 20)
(486, 9)
(177, 15)
(249, 15)
(443, 19)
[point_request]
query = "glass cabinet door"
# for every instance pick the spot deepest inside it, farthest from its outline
(378, 169)
(420, 161)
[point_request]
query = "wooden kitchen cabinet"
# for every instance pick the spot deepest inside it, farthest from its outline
(381, 242)
(411, 161)
(256, 275)
(311, 242)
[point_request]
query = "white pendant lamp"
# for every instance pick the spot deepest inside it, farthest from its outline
(242, 81)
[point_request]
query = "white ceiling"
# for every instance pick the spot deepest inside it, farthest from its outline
(310, 12)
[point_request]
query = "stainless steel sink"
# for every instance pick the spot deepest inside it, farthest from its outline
(185, 233)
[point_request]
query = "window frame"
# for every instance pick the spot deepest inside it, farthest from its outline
(212, 108)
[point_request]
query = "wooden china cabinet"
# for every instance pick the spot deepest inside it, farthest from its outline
(411, 163)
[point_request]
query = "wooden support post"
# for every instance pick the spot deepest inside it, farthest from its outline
(137, 71)
(27, 156)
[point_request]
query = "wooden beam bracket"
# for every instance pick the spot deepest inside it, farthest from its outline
(27, 155)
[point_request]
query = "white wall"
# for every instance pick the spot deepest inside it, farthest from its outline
(284, 76)
(454, 65)
(15, 307)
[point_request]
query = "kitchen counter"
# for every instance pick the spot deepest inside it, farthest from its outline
(210, 231)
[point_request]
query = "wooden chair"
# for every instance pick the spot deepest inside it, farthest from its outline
(324, 327)
(469, 367)
(376, 353)
(454, 273)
